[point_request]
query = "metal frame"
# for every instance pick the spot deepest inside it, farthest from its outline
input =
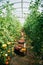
(22, 2)
(21, 7)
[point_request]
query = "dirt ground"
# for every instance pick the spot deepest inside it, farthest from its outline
(29, 59)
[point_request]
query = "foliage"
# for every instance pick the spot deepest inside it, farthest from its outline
(33, 27)
(10, 28)
(9, 24)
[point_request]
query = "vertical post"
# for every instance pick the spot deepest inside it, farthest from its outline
(22, 7)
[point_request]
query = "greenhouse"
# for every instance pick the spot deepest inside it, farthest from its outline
(21, 32)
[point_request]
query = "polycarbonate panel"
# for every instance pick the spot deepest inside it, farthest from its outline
(18, 10)
(18, 14)
(17, 5)
(21, 20)
(15, 0)
(25, 10)
(26, 0)
(21, 7)
(25, 4)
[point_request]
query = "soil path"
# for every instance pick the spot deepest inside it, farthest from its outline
(26, 60)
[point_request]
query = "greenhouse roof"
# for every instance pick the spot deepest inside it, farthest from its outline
(21, 8)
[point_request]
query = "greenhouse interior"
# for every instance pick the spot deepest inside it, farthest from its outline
(21, 32)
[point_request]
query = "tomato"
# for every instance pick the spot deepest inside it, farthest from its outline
(7, 63)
